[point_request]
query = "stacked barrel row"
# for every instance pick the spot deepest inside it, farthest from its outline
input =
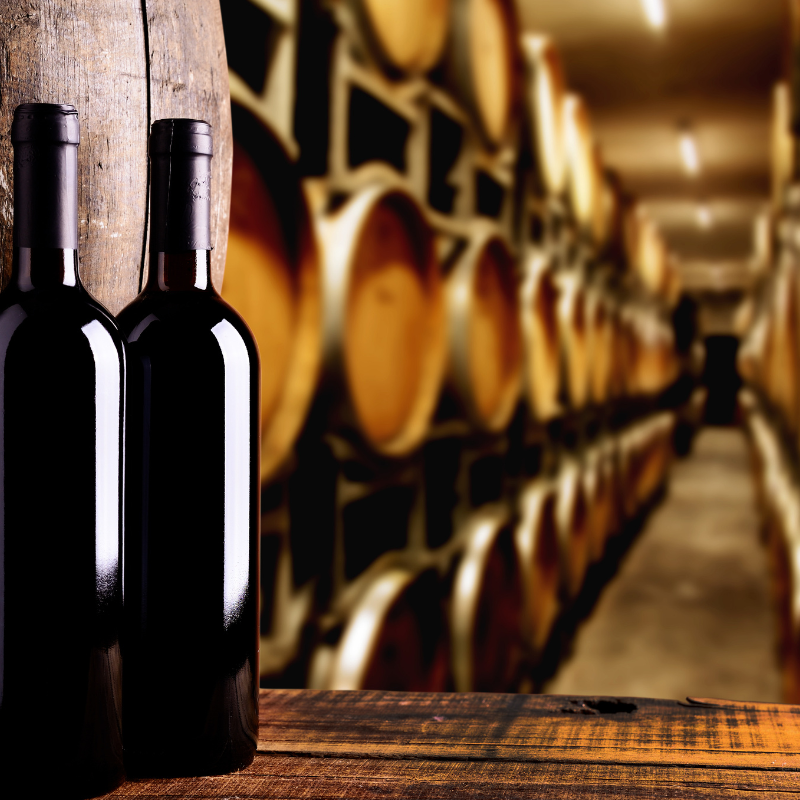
(768, 362)
(461, 404)
(775, 478)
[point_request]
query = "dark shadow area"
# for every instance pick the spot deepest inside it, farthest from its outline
(721, 379)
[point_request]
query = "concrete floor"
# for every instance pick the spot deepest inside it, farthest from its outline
(688, 612)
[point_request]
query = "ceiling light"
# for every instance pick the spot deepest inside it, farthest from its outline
(655, 12)
(691, 160)
(704, 218)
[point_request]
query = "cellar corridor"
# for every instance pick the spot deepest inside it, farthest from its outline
(689, 611)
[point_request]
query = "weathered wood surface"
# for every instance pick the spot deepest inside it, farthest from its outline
(122, 68)
(384, 745)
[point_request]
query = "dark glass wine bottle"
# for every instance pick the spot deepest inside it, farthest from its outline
(190, 641)
(61, 427)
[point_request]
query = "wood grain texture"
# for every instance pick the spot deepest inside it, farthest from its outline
(90, 55)
(386, 745)
(189, 78)
(94, 56)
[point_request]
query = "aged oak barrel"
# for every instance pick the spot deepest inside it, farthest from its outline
(783, 146)
(486, 607)
(482, 63)
(574, 337)
(405, 35)
(485, 373)
(573, 528)
(545, 89)
(395, 637)
(600, 343)
(629, 467)
(384, 340)
(651, 257)
(122, 64)
(541, 337)
(581, 166)
(536, 537)
(598, 499)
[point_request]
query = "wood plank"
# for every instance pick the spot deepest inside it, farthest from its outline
(283, 777)
(526, 727)
(91, 55)
(400, 745)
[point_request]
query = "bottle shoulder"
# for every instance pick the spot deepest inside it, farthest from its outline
(55, 312)
(155, 317)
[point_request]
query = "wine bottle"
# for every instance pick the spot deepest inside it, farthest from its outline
(62, 385)
(190, 641)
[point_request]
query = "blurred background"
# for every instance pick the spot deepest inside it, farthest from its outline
(524, 278)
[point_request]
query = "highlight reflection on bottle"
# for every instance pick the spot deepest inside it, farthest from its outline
(62, 384)
(190, 639)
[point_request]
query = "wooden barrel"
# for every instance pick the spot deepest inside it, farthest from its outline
(782, 154)
(598, 488)
(782, 318)
(763, 243)
(665, 429)
(631, 231)
(485, 336)
(121, 71)
(651, 260)
(394, 639)
(536, 537)
(656, 453)
(753, 419)
(646, 334)
(655, 350)
(539, 299)
(788, 328)
(574, 528)
(600, 353)
(486, 607)
(630, 466)
(272, 278)
(752, 354)
(581, 166)
(646, 460)
(405, 35)
(545, 89)
(574, 336)
(483, 63)
(607, 208)
(783, 550)
(632, 348)
(767, 462)
(611, 465)
(618, 352)
(384, 332)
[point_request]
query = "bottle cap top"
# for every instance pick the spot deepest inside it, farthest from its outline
(189, 136)
(45, 122)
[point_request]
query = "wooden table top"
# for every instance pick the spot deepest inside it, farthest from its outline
(387, 745)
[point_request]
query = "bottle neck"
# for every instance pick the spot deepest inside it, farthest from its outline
(46, 195)
(44, 268)
(186, 271)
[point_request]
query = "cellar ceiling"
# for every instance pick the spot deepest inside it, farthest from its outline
(712, 66)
